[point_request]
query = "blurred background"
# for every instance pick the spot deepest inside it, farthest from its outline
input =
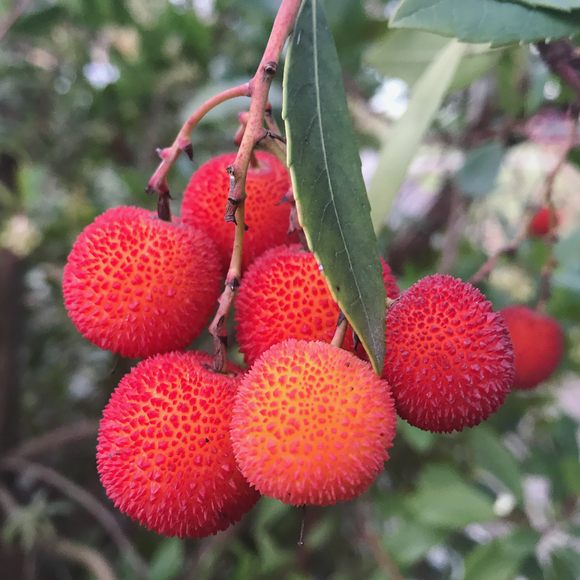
(88, 90)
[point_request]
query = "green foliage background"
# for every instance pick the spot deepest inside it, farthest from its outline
(496, 502)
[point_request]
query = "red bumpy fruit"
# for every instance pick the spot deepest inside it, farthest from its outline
(137, 285)
(538, 344)
(164, 453)
(449, 358)
(266, 216)
(540, 223)
(312, 424)
(284, 295)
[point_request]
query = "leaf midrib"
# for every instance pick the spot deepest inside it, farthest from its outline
(322, 142)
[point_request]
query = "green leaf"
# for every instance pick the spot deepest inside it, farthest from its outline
(565, 5)
(500, 559)
(479, 172)
(405, 54)
(406, 136)
(489, 453)
(168, 559)
(421, 441)
(444, 500)
(327, 180)
(495, 21)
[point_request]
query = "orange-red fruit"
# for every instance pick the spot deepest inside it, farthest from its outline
(449, 358)
(540, 223)
(538, 343)
(266, 217)
(284, 295)
(137, 285)
(312, 424)
(164, 453)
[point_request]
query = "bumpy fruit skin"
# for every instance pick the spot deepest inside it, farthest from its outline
(540, 223)
(284, 295)
(538, 343)
(449, 360)
(164, 453)
(312, 424)
(137, 286)
(266, 217)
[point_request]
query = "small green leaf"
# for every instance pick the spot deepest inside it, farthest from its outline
(327, 180)
(403, 141)
(500, 559)
(494, 21)
(421, 441)
(479, 172)
(167, 560)
(565, 5)
(444, 500)
(490, 453)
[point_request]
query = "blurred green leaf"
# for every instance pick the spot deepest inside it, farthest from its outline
(418, 439)
(500, 559)
(405, 54)
(167, 561)
(489, 453)
(327, 180)
(565, 5)
(404, 139)
(443, 499)
(494, 21)
(410, 540)
(479, 173)
(563, 564)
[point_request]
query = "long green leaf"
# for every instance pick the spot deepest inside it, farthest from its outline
(406, 54)
(404, 139)
(498, 22)
(327, 180)
(565, 5)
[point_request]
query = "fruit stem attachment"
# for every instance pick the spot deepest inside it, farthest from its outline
(253, 132)
(340, 331)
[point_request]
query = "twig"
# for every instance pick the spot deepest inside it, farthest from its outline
(86, 500)
(84, 429)
(378, 550)
(182, 143)
(545, 284)
(82, 554)
(254, 131)
(509, 248)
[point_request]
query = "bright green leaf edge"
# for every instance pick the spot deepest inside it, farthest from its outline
(326, 175)
(403, 141)
(563, 5)
(496, 22)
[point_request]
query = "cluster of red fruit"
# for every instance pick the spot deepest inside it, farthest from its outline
(186, 450)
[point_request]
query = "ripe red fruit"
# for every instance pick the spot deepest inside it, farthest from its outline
(449, 358)
(284, 295)
(540, 223)
(266, 217)
(538, 343)
(137, 285)
(312, 424)
(164, 453)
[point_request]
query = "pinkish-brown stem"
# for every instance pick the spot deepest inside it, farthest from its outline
(253, 132)
(182, 143)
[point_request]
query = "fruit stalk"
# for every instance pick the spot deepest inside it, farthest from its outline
(169, 155)
(259, 88)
